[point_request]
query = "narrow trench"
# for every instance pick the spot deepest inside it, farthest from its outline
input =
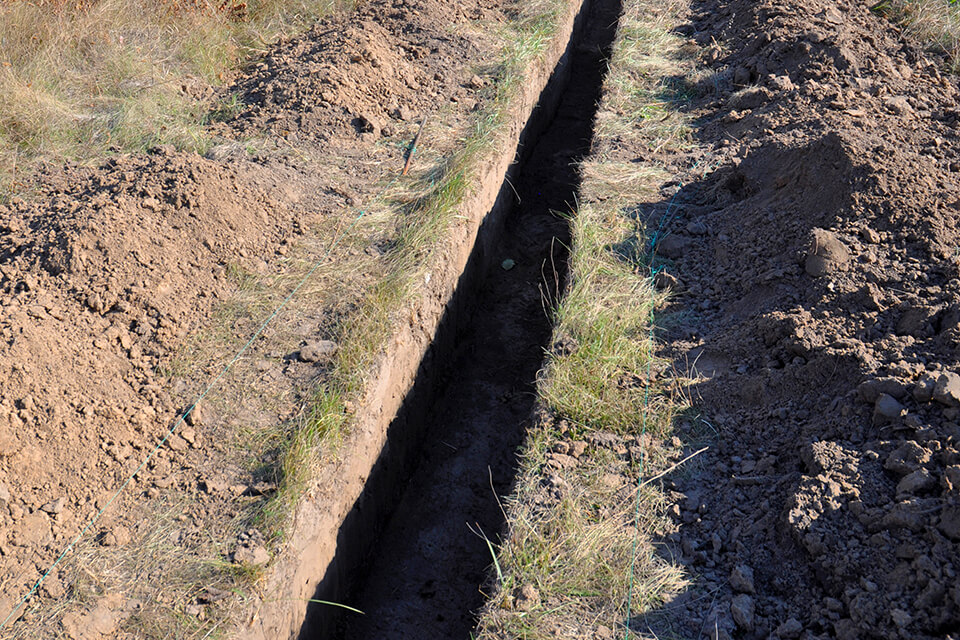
(422, 574)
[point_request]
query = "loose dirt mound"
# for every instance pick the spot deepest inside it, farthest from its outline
(816, 236)
(102, 275)
(362, 74)
(105, 271)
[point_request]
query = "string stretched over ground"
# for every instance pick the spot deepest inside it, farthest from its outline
(96, 517)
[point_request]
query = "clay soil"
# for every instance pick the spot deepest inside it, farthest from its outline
(108, 273)
(813, 233)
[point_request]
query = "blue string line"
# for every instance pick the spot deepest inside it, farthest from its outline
(183, 417)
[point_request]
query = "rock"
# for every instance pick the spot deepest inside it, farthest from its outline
(903, 515)
(742, 609)
(741, 579)
(887, 409)
(527, 598)
(869, 236)
(906, 458)
(916, 482)
(790, 629)
(4, 493)
(196, 417)
(54, 507)
(950, 521)
(951, 477)
(116, 537)
(177, 443)
(900, 617)
(319, 351)
(673, 246)
(253, 555)
(923, 389)
(946, 391)
(826, 254)
(369, 123)
(898, 105)
(475, 82)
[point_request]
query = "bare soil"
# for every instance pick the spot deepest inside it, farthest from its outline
(813, 231)
(108, 272)
(426, 577)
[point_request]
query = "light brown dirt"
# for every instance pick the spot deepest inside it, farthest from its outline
(108, 272)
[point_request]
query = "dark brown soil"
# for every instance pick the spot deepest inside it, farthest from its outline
(814, 233)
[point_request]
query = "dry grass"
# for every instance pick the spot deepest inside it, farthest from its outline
(78, 78)
(934, 23)
(582, 536)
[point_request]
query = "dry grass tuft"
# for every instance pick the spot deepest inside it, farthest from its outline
(934, 23)
(80, 77)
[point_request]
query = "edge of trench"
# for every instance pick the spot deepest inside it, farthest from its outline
(327, 538)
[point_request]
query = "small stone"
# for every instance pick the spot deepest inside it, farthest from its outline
(189, 434)
(741, 579)
(254, 555)
(53, 507)
(886, 409)
(916, 482)
(116, 537)
(901, 618)
(869, 236)
(826, 254)
(923, 389)
(4, 493)
(196, 416)
(950, 521)
(475, 82)
(790, 629)
(742, 609)
(898, 105)
(527, 598)
(946, 391)
(319, 351)
(906, 458)
(177, 443)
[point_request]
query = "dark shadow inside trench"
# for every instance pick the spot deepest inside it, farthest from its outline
(411, 554)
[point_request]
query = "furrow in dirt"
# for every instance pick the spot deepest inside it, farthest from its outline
(424, 574)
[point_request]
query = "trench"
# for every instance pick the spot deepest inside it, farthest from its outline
(411, 553)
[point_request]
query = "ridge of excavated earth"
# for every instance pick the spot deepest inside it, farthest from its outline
(815, 244)
(107, 272)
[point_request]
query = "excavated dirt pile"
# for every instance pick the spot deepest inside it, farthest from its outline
(815, 239)
(106, 271)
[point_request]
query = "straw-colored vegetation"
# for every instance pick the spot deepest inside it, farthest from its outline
(580, 536)
(79, 77)
(934, 23)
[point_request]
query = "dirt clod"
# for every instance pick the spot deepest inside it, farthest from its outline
(319, 351)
